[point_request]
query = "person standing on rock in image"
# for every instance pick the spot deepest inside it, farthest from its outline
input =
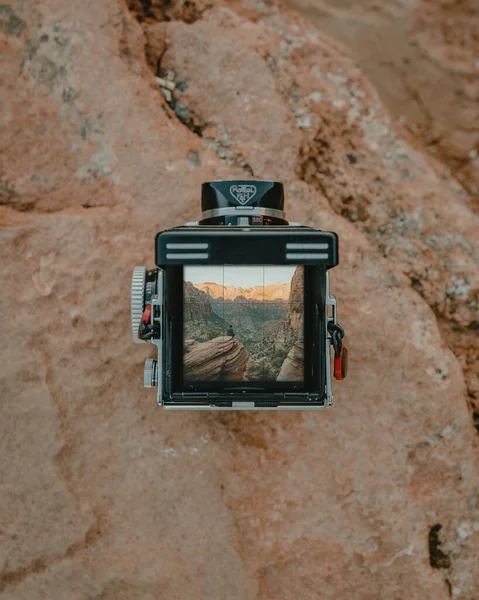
(230, 331)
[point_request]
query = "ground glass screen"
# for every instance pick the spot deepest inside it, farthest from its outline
(243, 323)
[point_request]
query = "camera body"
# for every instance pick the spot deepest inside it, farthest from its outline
(239, 306)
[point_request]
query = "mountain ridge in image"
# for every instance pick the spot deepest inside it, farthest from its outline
(272, 292)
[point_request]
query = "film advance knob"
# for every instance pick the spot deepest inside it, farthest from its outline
(150, 373)
(137, 300)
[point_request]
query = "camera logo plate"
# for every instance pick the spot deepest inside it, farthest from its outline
(243, 193)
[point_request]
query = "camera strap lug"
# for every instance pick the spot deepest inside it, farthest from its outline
(340, 351)
(336, 335)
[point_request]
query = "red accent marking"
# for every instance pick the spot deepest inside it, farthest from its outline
(145, 317)
(341, 364)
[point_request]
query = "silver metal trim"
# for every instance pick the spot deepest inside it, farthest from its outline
(242, 404)
(196, 407)
(158, 301)
(307, 246)
(150, 373)
(305, 255)
(179, 246)
(186, 256)
(136, 301)
(330, 301)
(232, 211)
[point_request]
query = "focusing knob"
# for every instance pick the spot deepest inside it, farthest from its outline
(150, 373)
(239, 193)
(137, 300)
(242, 198)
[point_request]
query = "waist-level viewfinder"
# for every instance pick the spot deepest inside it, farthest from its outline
(253, 202)
(239, 306)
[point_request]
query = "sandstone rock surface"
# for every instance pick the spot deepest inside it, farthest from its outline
(292, 368)
(422, 57)
(221, 359)
(104, 495)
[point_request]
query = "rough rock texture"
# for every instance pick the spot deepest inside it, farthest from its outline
(294, 318)
(292, 368)
(292, 324)
(196, 304)
(223, 358)
(104, 495)
(423, 58)
(211, 93)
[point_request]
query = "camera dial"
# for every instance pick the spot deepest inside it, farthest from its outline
(242, 202)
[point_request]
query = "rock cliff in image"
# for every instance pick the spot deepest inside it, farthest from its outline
(220, 359)
(196, 304)
(113, 114)
(200, 321)
(293, 367)
(292, 324)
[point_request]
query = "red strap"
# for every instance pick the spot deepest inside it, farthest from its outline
(341, 364)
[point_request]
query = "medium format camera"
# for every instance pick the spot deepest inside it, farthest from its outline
(239, 306)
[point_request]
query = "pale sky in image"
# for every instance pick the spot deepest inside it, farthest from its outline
(239, 276)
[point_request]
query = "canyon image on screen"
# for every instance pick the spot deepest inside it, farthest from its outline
(243, 323)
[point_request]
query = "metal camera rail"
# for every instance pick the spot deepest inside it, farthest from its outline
(287, 331)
